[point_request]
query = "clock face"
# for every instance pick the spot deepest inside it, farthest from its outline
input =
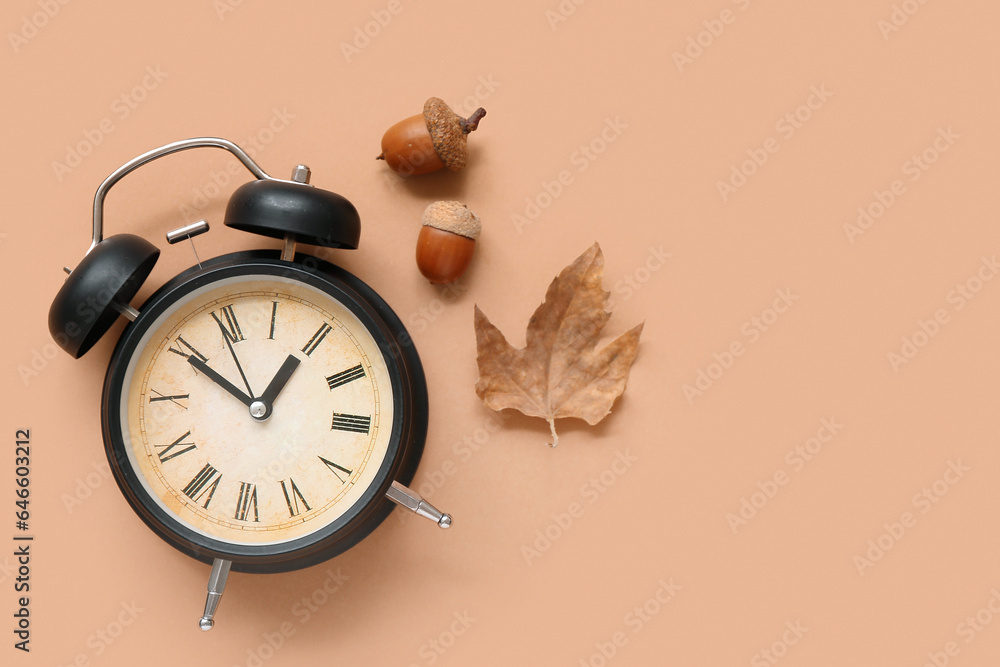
(256, 410)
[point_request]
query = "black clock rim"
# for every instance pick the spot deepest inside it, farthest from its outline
(410, 414)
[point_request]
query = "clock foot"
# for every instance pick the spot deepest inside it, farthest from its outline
(216, 585)
(409, 499)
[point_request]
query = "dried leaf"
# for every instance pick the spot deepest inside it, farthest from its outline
(560, 372)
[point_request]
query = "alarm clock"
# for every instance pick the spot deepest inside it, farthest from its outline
(262, 411)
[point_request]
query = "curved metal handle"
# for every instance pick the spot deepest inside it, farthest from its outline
(135, 163)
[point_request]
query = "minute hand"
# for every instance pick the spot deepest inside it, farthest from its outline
(239, 367)
(219, 380)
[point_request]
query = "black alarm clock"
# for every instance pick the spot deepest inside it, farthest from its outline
(263, 410)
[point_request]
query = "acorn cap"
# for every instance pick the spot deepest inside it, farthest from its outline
(449, 132)
(454, 217)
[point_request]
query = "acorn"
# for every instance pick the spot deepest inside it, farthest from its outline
(447, 240)
(427, 142)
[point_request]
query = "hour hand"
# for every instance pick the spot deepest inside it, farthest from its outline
(201, 366)
(280, 380)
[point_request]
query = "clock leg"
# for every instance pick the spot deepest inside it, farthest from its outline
(409, 499)
(216, 584)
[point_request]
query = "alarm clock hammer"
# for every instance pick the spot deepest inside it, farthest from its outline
(263, 411)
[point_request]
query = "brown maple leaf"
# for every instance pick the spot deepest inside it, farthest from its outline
(560, 372)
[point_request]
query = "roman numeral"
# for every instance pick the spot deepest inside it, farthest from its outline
(173, 399)
(353, 423)
(274, 314)
(344, 377)
(293, 500)
(167, 454)
(231, 329)
(334, 468)
(206, 481)
(247, 499)
(317, 339)
(181, 344)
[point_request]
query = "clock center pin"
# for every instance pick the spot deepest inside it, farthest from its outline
(259, 411)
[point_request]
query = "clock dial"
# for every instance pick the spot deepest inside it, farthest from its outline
(257, 410)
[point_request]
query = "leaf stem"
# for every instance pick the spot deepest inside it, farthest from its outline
(552, 427)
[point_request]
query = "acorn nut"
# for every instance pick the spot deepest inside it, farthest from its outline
(427, 142)
(447, 240)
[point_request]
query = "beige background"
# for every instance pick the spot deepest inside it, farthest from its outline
(662, 133)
